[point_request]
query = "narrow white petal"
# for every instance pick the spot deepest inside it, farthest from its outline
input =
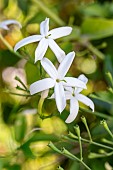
(41, 49)
(44, 27)
(65, 65)
(84, 79)
(59, 53)
(41, 85)
(59, 32)
(4, 24)
(49, 68)
(5, 27)
(74, 82)
(60, 97)
(68, 88)
(68, 95)
(74, 107)
(28, 40)
(86, 101)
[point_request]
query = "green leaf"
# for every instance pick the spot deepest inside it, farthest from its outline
(13, 167)
(74, 165)
(110, 78)
(32, 72)
(27, 151)
(97, 28)
(97, 163)
(96, 9)
(20, 128)
(43, 137)
(108, 65)
(104, 96)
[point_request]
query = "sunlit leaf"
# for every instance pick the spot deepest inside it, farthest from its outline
(97, 28)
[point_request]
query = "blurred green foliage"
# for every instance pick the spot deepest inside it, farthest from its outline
(24, 136)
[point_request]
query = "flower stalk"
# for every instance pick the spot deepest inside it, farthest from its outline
(49, 13)
(77, 129)
(87, 128)
(6, 43)
(105, 125)
(73, 138)
(66, 153)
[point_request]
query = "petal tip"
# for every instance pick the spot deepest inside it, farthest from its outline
(15, 48)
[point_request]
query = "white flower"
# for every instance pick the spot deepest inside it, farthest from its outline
(46, 39)
(4, 24)
(73, 94)
(57, 80)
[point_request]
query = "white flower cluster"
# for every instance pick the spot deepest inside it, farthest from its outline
(65, 88)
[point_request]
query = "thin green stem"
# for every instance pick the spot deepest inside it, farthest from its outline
(77, 129)
(87, 167)
(49, 13)
(17, 94)
(87, 128)
(97, 114)
(5, 43)
(19, 80)
(107, 141)
(93, 155)
(66, 153)
(70, 155)
(40, 105)
(109, 75)
(85, 140)
(11, 49)
(110, 133)
(105, 125)
(95, 51)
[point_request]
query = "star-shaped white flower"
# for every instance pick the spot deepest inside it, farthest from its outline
(73, 94)
(4, 24)
(46, 39)
(57, 80)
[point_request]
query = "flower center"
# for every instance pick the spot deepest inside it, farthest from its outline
(57, 80)
(47, 36)
(73, 94)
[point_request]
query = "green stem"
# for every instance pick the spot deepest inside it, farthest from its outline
(107, 141)
(11, 49)
(40, 104)
(18, 94)
(104, 123)
(87, 167)
(87, 128)
(77, 129)
(93, 155)
(85, 140)
(109, 75)
(95, 51)
(6, 43)
(97, 114)
(19, 80)
(49, 13)
(67, 154)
